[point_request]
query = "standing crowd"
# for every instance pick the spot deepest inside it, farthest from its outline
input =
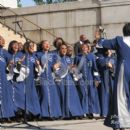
(54, 84)
(51, 85)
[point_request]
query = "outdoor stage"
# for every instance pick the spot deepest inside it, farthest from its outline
(85, 124)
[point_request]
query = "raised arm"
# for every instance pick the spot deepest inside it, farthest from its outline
(109, 44)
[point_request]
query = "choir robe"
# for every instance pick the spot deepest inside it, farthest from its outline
(87, 88)
(107, 79)
(70, 102)
(119, 112)
(49, 101)
(82, 88)
(6, 103)
(54, 52)
(32, 100)
(17, 88)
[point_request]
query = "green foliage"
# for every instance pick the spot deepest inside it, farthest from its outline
(19, 4)
(39, 2)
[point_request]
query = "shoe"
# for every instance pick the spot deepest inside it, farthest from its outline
(90, 116)
(122, 128)
(119, 129)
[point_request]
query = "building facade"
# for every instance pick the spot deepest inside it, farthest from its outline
(70, 19)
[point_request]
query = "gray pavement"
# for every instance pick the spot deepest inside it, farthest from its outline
(59, 125)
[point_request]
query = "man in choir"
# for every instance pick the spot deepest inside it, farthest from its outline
(77, 45)
(119, 110)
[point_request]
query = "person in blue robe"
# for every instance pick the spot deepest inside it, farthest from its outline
(119, 110)
(69, 98)
(56, 43)
(106, 66)
(69, 51)
(7, 109)
(49, 99)
(86, 63)
(32, 104)
(17, 87)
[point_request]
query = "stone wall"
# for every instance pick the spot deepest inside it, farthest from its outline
(9, 35)
(69, 20)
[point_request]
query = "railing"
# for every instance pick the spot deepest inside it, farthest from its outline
(17, 22)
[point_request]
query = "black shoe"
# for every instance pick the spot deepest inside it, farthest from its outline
(90, 116)
(67, 118)
(97, 118)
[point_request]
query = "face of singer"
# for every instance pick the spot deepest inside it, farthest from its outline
(15, 47)
(63, 50)
(31, 48)
(85, 48)
(46, 46)
(97, 35)
(20, 46)
(69, 51)
(2, 41)
(83, 37)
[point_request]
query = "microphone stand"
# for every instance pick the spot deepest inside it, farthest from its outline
(25, 92)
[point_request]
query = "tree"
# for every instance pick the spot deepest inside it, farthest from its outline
(39, 2)
(19, 3)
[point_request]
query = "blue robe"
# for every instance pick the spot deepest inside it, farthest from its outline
(90, 99)
(6, 103)
(82, 89)
(70, 103)
(119, 112)
(32, 100)
(17, 87)
(49, 101)
(54, 52)
(107, 79)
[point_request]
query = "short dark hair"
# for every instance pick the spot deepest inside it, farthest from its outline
(55, 41)
(126, 29)
(86, 42)
(27, 45)
(10, 47)
(64, 44)
(39, 46)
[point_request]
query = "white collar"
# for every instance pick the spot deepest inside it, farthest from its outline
(81, 42)
(127, 40)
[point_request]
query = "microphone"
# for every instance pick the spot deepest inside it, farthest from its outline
(102, 30)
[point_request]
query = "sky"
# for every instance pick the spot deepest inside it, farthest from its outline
(26, 3)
